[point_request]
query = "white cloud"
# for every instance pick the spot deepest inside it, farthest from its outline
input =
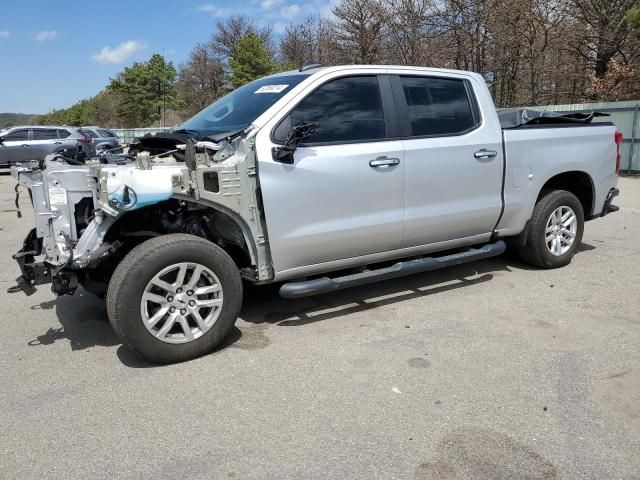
(214, 10)
(119, 54)
(290, 11)
(46, 35)
(269, 4)
(4, 33)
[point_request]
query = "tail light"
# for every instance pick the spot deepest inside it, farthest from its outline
(618, 139)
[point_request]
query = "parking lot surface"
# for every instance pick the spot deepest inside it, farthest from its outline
(489, 370)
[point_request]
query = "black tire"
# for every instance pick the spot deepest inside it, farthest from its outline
(140, 265)
(535, 250)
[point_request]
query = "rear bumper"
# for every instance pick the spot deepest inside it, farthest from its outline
(608, 206)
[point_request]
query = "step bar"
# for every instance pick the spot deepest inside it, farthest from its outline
(407, 267)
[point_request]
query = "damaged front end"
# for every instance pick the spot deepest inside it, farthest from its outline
(89, 215)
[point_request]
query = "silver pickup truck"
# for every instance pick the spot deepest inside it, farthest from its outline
(320, 179)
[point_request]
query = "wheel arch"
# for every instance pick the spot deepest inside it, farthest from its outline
(134, 222)
(577, 182)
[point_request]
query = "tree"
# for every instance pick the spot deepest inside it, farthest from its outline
(251, 59)
(538, 51)
(298, 43)
(633, 19)
(411, 24)
(360, 25)
(313, 39)
(144, 90)
(230, 31)
(619, 83)
(201, 79)
(606, 30)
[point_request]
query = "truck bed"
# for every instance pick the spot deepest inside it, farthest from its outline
(534, 153)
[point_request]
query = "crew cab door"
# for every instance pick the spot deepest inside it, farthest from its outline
(453, 160)
(15, 146)
(343, 196)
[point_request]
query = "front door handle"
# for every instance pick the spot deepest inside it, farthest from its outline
(24, 145)
(484, 153)
(384, 162)
(57, 143)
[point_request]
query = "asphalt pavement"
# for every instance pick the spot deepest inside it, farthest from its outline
(489, 370)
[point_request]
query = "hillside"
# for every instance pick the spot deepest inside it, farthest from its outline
(8, 119)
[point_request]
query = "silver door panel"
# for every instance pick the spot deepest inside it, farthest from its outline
(332, 204)
(451, 193)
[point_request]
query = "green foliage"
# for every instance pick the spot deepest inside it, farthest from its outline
(251, 59)
(135, 98)
(633, 19)
(11, 119)
(143, 90)
(77, 114)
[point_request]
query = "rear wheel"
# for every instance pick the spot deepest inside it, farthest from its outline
(555, 230)
(174, 298)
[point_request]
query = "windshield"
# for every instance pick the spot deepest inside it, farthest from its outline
(236, 110)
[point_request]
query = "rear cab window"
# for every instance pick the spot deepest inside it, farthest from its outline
(439, 106)
(344, 110)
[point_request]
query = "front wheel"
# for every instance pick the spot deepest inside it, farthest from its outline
(555, 230)
(174, 297)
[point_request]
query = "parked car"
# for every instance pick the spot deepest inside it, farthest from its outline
(322, 179)
(23, 143)
(103, 138)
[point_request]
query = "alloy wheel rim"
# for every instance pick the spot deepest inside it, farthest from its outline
(181, 302)
(561, 229)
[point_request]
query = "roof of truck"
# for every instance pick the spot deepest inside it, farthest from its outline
(407, 68)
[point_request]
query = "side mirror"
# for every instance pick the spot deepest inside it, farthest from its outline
(1, 140)
(295, 137)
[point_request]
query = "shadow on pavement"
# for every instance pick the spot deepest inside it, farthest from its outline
(84, 322)
(263, 305)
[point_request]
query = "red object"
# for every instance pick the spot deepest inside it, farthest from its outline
(618, 139)
(85, 140)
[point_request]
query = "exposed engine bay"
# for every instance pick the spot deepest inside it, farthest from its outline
(90, 213)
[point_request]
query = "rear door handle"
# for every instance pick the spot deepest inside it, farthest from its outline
(57, 143)
(484, 153)
(24, 145)
(384, 162)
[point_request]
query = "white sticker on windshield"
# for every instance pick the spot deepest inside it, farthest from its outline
(271, 89)
(57, 196)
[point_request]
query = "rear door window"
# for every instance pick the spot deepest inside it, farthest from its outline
(438, 106)
(88, 133)
(63, 133)
(343, 110)
(106, 133)
(44, 134)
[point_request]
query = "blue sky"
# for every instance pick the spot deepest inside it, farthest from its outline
(54, 53)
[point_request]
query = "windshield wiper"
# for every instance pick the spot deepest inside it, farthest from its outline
(216, 137)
